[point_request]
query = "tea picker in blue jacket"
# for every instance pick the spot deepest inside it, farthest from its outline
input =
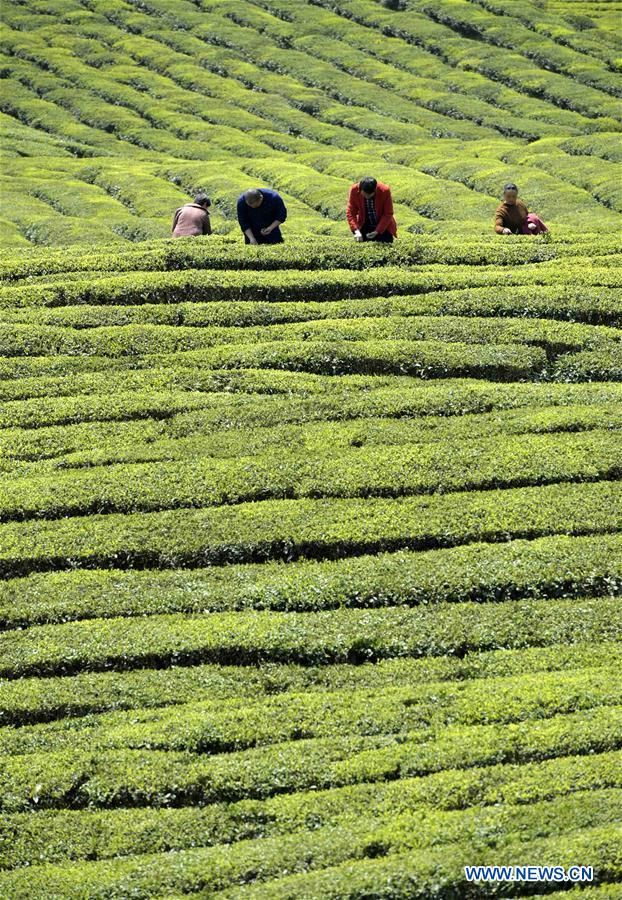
(261, 212)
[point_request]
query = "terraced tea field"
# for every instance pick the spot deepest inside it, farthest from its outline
(311, 554)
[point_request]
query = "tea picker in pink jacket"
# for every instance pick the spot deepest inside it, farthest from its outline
(193, 218)
(533, 224)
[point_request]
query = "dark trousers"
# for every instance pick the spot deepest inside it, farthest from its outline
(275, 237)
(386, 237)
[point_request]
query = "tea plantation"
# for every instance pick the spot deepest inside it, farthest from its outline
(310, 554)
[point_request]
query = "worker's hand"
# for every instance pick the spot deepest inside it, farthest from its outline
(253, 240)
(372, 235)
(531, 226)
(267, 230)
(506, 231)
(357, 235)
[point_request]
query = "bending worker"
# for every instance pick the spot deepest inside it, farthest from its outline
(370, 211)
(261, 212)
(513, 217)
(193, 218)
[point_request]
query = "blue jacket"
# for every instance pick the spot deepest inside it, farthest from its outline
(272, 208)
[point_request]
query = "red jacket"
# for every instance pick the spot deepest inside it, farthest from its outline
(355, 211)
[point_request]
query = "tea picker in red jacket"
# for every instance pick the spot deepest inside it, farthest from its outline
(193, 218)
(370, 211)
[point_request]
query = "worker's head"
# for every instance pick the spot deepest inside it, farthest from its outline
(368, 186)
(510, 193)
(203, 200)
(253, 197)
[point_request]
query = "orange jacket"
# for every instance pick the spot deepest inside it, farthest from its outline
(355, 211)
(512, 217)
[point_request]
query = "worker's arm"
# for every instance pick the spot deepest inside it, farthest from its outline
(271, 226)
(525, 213)
(352, 210)
(500, 223)
(244, 220)
(280, 211)
(387, 214)
(175, 220)
(243, 216)
(207, 224)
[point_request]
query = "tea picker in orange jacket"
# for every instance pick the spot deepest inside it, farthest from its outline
(370, 211)
(513, 217)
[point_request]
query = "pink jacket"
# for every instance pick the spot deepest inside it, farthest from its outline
(537, 221)
(191, 219)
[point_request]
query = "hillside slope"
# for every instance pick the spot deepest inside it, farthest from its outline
(311, 567)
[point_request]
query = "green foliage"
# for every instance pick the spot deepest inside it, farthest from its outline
(373, 472)
(348, 839)
(268, 80)
(103, 834)
(324, 253)
(551, 566)
(145, 777)
(32, 700)
(289, 529)
(394, 876)
(209, 285)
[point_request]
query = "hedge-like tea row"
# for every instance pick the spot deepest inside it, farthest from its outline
(112, 778)
(149, 440)
(447, 397)
(561, 302)
(393, 399)
(190, 389)
(121, 406)
(31, 700)
(350, 839)
(177, 377)
(308, 66)
(212, 285)
(428, 359)
(324, 253)
(557, 566)
(289, 529)
(237, 723)
(132, 444)
(321, 638)
(30, 433)
(393, 878)
(604, 364)
(358, 472)
(406, 69)
(134, 340)
(155, 59)
(450, 30)
(55, 836)
(516, 36)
